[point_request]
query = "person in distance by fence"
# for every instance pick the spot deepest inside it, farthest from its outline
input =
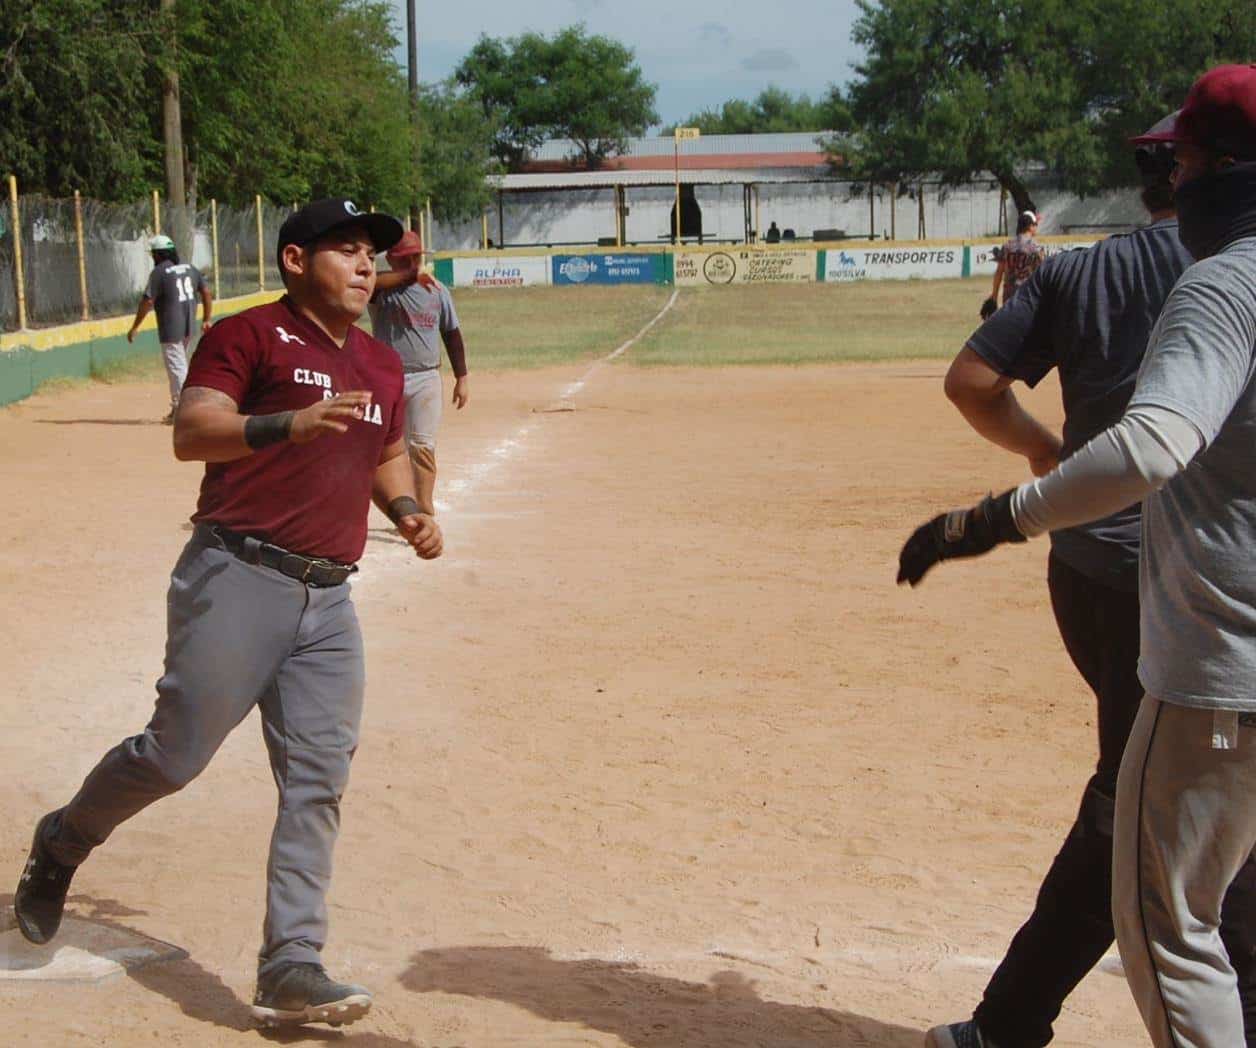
(1018, 259)
(172, 290)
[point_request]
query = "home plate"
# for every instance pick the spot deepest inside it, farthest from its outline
(83, 951)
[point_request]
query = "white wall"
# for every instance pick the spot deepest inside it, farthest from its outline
(968, 211)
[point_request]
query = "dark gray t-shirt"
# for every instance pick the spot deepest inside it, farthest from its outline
(1090, 313)
(1198, 579)
(173, 289)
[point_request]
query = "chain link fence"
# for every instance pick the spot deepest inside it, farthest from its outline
(86, 259)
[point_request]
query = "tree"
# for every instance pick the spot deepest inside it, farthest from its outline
(774, 110)
(456, 153)
(296, 99)
(76, 89)
(585, 88)
(957, 87)
(290, 98)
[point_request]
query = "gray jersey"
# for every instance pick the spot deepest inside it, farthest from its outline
(1198, 573)
(173, 289)
(411, 320)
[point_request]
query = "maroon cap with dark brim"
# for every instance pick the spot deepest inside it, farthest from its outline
(409, 244)
(1219, 114)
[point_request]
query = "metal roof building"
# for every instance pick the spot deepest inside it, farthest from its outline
(730, 187)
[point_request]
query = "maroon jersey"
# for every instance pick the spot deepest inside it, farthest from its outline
(309, 498)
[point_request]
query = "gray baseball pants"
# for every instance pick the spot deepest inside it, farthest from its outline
(425, 403)
(241, 635)
(175, 356)
(1185, 823)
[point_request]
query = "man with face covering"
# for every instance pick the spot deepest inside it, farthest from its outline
(1186, 795)
(1088, 315)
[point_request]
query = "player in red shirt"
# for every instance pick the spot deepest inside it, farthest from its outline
(299, 417)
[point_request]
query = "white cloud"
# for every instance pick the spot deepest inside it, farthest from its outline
(715, 34)
(770, 60)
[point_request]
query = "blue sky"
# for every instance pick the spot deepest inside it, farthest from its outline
(699, 52)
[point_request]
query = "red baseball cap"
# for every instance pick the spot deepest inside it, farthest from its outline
(409, 244)
(1219, 114)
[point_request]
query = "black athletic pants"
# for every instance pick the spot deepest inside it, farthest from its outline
(1071, 926)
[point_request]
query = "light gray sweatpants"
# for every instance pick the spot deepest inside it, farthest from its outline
(425, 403)
(1185, 823)
(242, 635)
(175, 356)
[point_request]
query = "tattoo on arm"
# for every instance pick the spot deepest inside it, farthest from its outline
(260, 431)
(205, 395)
(402, 506)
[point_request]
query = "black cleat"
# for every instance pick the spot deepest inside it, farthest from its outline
(303, 993)
(40, 898)
(958, 1035)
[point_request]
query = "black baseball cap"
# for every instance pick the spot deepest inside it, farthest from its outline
(320, 217)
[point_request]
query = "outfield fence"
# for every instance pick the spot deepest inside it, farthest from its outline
(837, 263)
(71, 259)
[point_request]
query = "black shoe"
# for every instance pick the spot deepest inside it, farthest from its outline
(957, 1035)
(40, 898)
(303, 993)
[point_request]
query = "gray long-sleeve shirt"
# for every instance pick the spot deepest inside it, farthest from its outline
(1188, 444)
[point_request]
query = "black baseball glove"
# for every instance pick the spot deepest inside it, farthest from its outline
(960, 533)
(988, 308)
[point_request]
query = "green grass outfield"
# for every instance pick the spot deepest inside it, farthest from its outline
(542, 326)
(764, 324)
(772, 324)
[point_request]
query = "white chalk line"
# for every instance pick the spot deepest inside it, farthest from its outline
(457, 489)
(580, 383)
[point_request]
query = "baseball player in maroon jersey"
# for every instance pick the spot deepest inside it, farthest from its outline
(299, 417)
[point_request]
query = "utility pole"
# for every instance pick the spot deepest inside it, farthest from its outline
(412, 53)
(171, 118)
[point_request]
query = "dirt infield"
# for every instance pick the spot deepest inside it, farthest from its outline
(657, 755)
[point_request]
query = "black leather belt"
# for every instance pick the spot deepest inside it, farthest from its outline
(313, 571)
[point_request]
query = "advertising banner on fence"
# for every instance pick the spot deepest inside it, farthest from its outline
(501, 272)
(603, 269)
(983, 263)
(744, 267)
(893, 263)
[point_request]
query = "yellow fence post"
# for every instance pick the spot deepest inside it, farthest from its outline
(156, 214)
(261, 256)
(428, 239)
(82, 252)
(18, 279)
(213, 242)
(484, 232)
